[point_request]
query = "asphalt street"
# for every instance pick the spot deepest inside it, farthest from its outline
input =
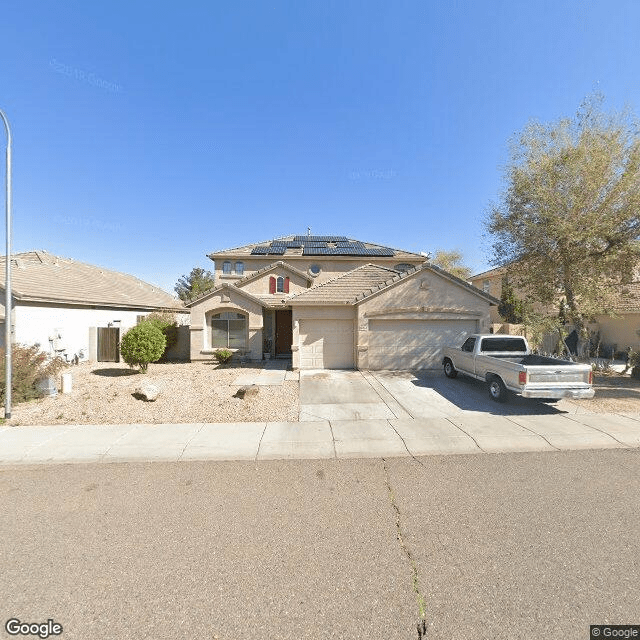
(526, 545)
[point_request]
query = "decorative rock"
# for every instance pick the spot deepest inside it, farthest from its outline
(247, 391)
(47, 386)
(147, 392)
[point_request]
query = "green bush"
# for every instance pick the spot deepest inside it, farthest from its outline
(142, 344)
(28, 366)
(167, 323)
(223, 355)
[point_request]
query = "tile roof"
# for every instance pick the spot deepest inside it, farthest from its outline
(345, 288)
(270, 267)
(226, 286)
(357, 285)
(627, 298)
(492, 272)
(293, 246)
(42, 277)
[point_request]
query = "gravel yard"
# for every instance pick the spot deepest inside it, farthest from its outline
(615, 393)
(190, 392)
(202, 392)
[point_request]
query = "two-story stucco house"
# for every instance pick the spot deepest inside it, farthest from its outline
(334, 302)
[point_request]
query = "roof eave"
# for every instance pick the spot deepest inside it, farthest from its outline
(97, 303)
(228, 287)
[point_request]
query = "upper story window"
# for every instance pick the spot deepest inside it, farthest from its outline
(226, 267)
(239, 268)
(314, 269)
(486, 285)
(403, 266)
(278, 285)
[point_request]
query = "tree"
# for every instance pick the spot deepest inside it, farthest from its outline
(510, 308)
(451, 261)
(568, 221)
(195, 284)
(167, 323)
(142, 344)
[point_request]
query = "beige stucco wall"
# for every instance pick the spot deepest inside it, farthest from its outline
(226, 299)
(620, 331)
(495, 289)
(422, 296)
(343, 312)
(330, 267)
(260, 286)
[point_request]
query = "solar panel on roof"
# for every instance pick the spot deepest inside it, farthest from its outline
(315, 251)
(307, 239)
(278, 251)
(379, 252)
(260, 250)
(287, 244)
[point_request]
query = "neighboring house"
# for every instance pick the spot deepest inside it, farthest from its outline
(618, 332)
(334, 302)
(491, 282)
(75, 309)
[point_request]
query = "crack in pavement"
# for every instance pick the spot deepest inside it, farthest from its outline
(405, 444)
(422, 622)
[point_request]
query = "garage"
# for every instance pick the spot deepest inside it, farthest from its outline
(414, 344)
(326, 344)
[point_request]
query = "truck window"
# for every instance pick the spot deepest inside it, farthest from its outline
(504, 344)
(468, 345)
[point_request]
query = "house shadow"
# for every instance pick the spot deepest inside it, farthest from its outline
(115, 373)
(469, 394)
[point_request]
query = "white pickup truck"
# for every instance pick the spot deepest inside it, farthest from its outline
(507, 364)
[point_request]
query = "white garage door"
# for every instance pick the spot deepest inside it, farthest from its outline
(414, 344)
(326, 344)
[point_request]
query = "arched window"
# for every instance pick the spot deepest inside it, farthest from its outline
(239, 268)
(280, 284)
(229, 330)
(226, 267)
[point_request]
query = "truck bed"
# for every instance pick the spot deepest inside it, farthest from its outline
(534, 360)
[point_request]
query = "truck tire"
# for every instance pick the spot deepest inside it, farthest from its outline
(497, 390)
(449, 369)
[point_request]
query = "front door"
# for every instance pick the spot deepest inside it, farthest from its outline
(284, 332)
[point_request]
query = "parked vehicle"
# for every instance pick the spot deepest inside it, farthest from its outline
(506, 363)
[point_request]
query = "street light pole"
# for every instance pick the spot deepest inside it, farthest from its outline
(7, 291)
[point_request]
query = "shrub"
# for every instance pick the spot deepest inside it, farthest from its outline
(223, 355)
(142, 344)
(167, 323)
(28, 366)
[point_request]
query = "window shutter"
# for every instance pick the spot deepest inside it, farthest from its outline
(272, 285)
(286, 285)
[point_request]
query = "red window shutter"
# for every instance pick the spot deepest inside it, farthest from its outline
(286, 285)
(272, 285)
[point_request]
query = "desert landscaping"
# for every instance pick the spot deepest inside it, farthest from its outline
(104, 393)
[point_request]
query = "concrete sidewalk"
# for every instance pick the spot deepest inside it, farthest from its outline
(468, 432)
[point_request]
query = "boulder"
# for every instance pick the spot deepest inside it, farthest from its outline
(147, 392)
(247, 391)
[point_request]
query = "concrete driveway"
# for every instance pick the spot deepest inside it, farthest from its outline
(357, 395)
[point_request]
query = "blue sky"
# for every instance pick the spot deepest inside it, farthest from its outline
(148, 135)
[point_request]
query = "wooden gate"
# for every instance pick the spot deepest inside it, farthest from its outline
(108, 338)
